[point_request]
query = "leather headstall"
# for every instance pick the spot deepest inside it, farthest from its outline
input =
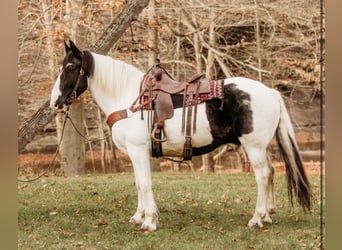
(73, 95)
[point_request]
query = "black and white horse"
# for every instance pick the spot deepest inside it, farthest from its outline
(249, 114)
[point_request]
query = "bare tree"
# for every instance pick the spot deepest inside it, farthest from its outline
(44, 114)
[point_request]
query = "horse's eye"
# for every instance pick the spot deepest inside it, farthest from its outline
(70, 67)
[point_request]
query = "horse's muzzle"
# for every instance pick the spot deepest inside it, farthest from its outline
(59, 108)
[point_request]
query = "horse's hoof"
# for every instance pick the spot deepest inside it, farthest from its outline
(255, 224)
(267, 219)
(148, 228)
(134, 220)
(272, 211)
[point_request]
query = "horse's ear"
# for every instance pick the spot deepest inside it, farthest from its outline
(67, 48)
(75, 51)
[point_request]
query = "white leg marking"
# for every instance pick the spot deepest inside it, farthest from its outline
(264, 177)
(138, 217)
(147, 212)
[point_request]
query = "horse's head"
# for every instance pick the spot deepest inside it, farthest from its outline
(72, 80)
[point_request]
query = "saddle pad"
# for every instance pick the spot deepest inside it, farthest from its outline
(215, 91)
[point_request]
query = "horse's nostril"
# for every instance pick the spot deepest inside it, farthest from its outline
(56, 106)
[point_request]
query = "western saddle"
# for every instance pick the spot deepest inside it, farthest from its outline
(158, 93)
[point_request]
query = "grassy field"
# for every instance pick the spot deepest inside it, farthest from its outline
(197, 211)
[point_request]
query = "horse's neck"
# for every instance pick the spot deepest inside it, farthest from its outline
(114, 84)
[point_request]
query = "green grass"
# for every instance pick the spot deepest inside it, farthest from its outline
(197, 211)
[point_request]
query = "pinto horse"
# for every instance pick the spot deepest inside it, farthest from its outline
(249, 114)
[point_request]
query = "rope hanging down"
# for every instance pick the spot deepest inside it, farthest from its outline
(53, 161)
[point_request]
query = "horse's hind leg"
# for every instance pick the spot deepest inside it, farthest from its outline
(270, 189)
(264, 178)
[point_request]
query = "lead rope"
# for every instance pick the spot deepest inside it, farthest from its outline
(53, 161)
(83, 136)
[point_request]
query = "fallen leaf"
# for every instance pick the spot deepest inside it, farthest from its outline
(102, 222)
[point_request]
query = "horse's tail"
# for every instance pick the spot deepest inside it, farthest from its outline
(296, 176)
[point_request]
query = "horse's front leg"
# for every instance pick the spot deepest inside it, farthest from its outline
(147, 212)
(138, 217)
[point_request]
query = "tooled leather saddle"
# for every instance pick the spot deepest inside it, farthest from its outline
(161, 94)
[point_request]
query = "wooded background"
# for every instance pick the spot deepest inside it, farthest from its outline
(277, 42)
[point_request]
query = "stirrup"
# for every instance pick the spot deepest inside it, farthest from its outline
(154, 131)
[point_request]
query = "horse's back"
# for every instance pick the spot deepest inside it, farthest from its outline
(260, 94)
(250, 85)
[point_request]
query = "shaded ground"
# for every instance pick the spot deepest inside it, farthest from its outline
(32, 164)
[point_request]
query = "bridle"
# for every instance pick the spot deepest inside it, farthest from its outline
(73, 95)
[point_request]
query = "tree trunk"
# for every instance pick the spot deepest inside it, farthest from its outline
(44, 114)
(257, 34)
(47, 9)
(72, 149)
(102, 142)
(119, 25)
(152, 56)
(207, 159)
(178, 44)
(211, 56)
(152, 35)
